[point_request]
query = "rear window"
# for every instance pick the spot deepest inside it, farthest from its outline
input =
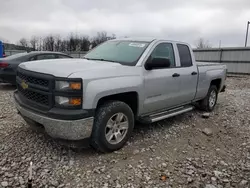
(15, 56)
(185, 56)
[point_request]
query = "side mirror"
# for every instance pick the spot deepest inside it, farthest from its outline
(157, 63)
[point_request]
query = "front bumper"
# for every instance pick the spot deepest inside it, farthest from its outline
(58, 128)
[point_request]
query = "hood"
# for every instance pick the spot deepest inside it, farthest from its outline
(66, 67)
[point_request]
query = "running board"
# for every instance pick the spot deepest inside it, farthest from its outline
(170, 113)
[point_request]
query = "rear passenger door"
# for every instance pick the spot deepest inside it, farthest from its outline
(188, 74)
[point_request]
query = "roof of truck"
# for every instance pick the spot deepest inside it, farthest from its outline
(139, 39)
(145, 39)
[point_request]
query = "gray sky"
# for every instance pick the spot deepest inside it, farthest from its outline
(185, 20)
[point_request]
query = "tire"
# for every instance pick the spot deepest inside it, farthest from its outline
(205, 103)
(106, 120)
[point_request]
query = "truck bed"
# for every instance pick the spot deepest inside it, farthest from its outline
(201, 63)
(209, 71)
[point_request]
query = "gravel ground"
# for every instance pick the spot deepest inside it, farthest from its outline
(185, 151)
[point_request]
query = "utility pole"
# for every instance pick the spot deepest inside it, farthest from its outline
(247, 33)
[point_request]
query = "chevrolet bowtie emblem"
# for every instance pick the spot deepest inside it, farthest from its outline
(24, 85)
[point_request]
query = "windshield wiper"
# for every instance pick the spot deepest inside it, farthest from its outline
(100, 59)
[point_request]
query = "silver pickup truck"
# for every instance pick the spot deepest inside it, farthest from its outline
(98, 99)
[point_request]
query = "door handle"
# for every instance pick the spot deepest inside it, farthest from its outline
(194, 73)
(175, 75)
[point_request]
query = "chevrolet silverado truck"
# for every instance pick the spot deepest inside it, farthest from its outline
(99, 98)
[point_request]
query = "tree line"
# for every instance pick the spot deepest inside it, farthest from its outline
(201, 43)
(74, 42)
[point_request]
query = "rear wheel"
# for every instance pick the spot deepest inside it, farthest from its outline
(113, 125)
(209, 102)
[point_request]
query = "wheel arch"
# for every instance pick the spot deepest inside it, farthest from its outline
(217, 83)
(131, 98)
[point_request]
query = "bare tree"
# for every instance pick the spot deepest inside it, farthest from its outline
(64, 46)
(48, 43)
(40, 44)
(84, 43)
(74, 42)
(58, 43)
(100, 38)
(34, 42)
(201, 43)
(112, 37)
(23, 42)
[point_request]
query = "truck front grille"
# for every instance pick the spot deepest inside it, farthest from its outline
(34, 96)
(33, 80)
(36, 89)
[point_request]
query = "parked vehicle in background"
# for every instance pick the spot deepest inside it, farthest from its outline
(98, 98)
(8, 65)
(2, 52)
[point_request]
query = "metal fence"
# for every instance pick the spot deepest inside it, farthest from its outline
(236, 59)
(12, 52)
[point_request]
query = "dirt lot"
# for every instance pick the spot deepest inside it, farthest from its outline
(171, 153)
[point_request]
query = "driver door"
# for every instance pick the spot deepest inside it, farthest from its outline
(162, 84)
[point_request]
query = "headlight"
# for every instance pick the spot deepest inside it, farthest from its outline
(68, 101)
(68, 93)
(68, 85)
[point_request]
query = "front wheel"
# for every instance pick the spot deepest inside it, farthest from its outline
(113, 126)
(209, 102)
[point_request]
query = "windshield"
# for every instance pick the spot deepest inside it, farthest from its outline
(123, 52)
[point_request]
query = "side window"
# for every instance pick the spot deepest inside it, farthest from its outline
(32, 58)
(164, 50)
(62, 56)
(185, 56)
(46, 56)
